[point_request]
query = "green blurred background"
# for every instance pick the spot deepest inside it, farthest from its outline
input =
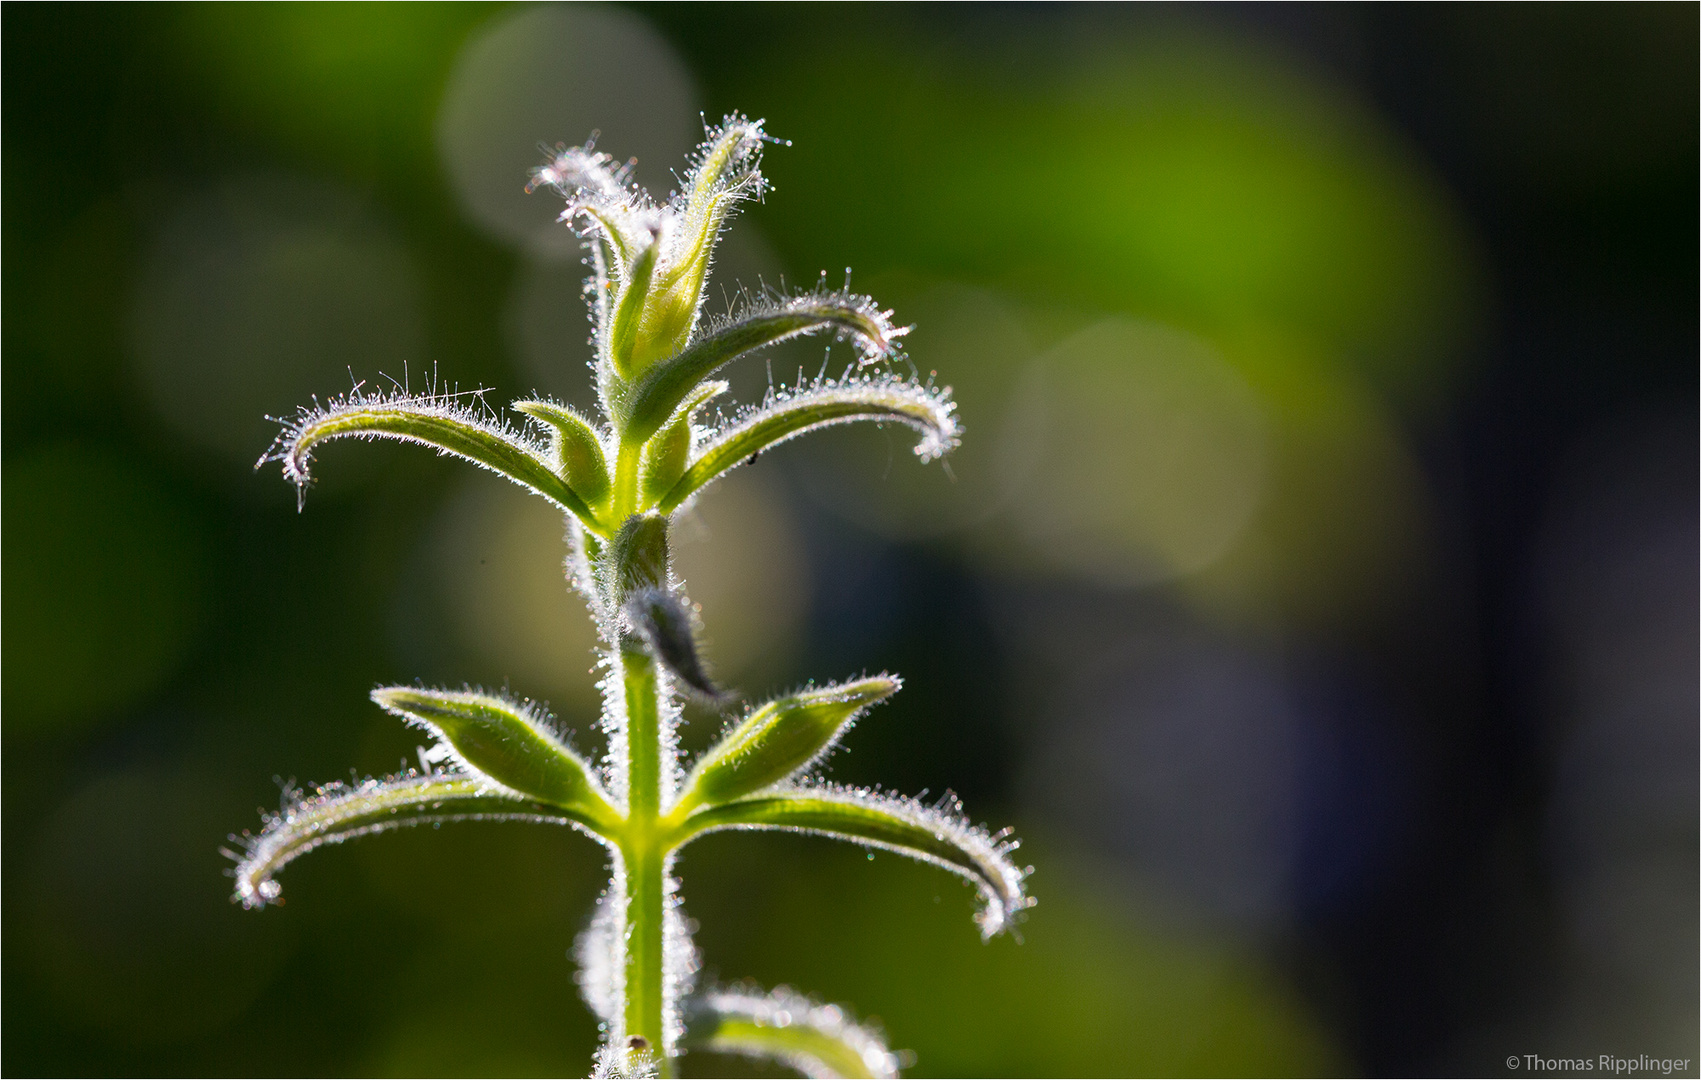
(1314, 591)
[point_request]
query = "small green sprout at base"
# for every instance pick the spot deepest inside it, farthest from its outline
(619, 479)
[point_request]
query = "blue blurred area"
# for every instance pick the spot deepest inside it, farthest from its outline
(1315, 590)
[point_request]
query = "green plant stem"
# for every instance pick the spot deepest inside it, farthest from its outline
(645, 855)
(646, 874)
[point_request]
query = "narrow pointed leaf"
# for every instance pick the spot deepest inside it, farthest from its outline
(790, 1029)
(664, 624)
(932, 834)
(338, 812)
(629, 313)
(577, 450)
(724, 175)
(618, 233)
(598, 256)
(726, 166)
(664, 460)
(441, 422)
(660, 389)
(506, 742)
(784, 737)
(668, 450)
(788, 414)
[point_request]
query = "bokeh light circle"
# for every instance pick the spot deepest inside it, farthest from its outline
(555, 73)
(1139, 454)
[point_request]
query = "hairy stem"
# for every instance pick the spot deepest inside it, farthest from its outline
(643, 735)
(645, 961)
(645, 856)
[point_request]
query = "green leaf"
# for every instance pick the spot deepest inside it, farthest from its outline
(664, 624)
(788, 1028)
(629, 313)
(576, 449)
(664, 460)
(934, 834)
(660, 389)
(724, 175)
(617, 230)
(787, 414)
(780, 739)
(727, 166)
(506, 742)
(439, 421)
(338, 812)
(667, 452)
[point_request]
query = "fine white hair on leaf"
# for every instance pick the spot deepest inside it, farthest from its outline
(881, 397)
(728, 159)
(1001, 882)
(529, 713)
(534, 714)
(337, 812)
(784, 739)
(294, 444)
(724, 171)
(665, 385)
(784, 1026)
(536, 425)
(855, 316)
(455, 424)
(937, 834)
(787, 412)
